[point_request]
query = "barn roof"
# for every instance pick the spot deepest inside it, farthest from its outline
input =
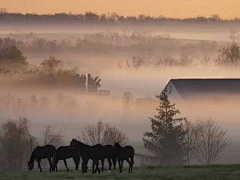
(188, 88)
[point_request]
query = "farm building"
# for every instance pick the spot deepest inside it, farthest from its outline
(204, 89)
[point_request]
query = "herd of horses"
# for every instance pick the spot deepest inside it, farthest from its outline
(78, 150)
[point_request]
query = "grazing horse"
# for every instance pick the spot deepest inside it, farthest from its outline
(88, 152)
(125, 153)
(66, 152)
(42, 152)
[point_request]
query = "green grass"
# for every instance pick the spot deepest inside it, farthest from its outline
(216, 172)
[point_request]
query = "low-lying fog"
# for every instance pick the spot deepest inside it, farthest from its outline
(77, 110)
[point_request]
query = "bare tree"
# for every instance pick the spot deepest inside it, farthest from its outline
(190, 140)
(229, 56)
(211, 142)
(14, 139)
(32, 143)
(127, 97)
(113, 134)
(3, 11)
(92, 134)
(207, 48)
(51, 137)
(102, 133)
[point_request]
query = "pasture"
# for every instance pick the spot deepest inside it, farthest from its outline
(216, 172)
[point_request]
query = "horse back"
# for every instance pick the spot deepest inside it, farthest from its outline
(109, 151)
(65, 152)
(130, 149)
(126, 152)
(44, 151)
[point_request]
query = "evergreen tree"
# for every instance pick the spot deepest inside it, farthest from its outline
(166, 139)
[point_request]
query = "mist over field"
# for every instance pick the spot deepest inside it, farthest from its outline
(132, 58)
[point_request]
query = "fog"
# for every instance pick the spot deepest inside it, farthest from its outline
(79, 109)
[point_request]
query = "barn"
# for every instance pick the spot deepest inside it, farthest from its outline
(204, 89)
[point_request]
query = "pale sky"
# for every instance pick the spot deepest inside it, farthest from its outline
(168, 8)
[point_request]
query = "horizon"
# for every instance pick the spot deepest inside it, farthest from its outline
(173, 9)
(120, 15)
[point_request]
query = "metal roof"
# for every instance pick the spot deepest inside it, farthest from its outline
(193, 87)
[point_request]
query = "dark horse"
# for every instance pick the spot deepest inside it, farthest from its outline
(125, 153)
(109, 153)
(88, 152)
(40, 153)
(66, 152)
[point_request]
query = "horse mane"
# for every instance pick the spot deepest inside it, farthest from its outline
(79, 142)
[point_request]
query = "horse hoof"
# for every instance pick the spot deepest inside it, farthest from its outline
(75, 171)
(109, 171)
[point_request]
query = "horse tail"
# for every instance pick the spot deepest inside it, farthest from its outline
(133, 156)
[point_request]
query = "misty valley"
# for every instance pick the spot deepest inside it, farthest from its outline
(118, 80)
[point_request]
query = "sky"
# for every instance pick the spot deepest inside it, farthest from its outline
(168, 8)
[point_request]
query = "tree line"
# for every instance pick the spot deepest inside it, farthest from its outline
(206, 52)
(88, 16)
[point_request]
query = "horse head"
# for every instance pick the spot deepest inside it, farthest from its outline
(75, 144)
(117, 144)
(30, 165)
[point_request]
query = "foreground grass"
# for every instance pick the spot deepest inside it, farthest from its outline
(226, 172)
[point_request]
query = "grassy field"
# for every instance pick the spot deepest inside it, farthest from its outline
(226, 172)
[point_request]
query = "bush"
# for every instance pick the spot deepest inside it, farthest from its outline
(229, 56)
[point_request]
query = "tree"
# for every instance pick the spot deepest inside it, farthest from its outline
(12, 55)
(207, 48)
(103, 133)
(166, 139)
(50, 65)
(93, 83)
(15, 143)
(190, 140)
(127, 97)
(113, 134)
(229, 56)
(3, 11)
(211, 142)
(51, 137)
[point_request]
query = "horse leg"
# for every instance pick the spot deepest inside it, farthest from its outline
(102, 164)
(114, 160)
(132, 161)
(93, 165)
(39, 165)
(86, 165)
(65, 162)
(130, 165)
(76, 161)
(109, 164)
(119, 163)
(122, 165)
(50, 163)
(56, 165)
(83, 167)
(97, 167)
